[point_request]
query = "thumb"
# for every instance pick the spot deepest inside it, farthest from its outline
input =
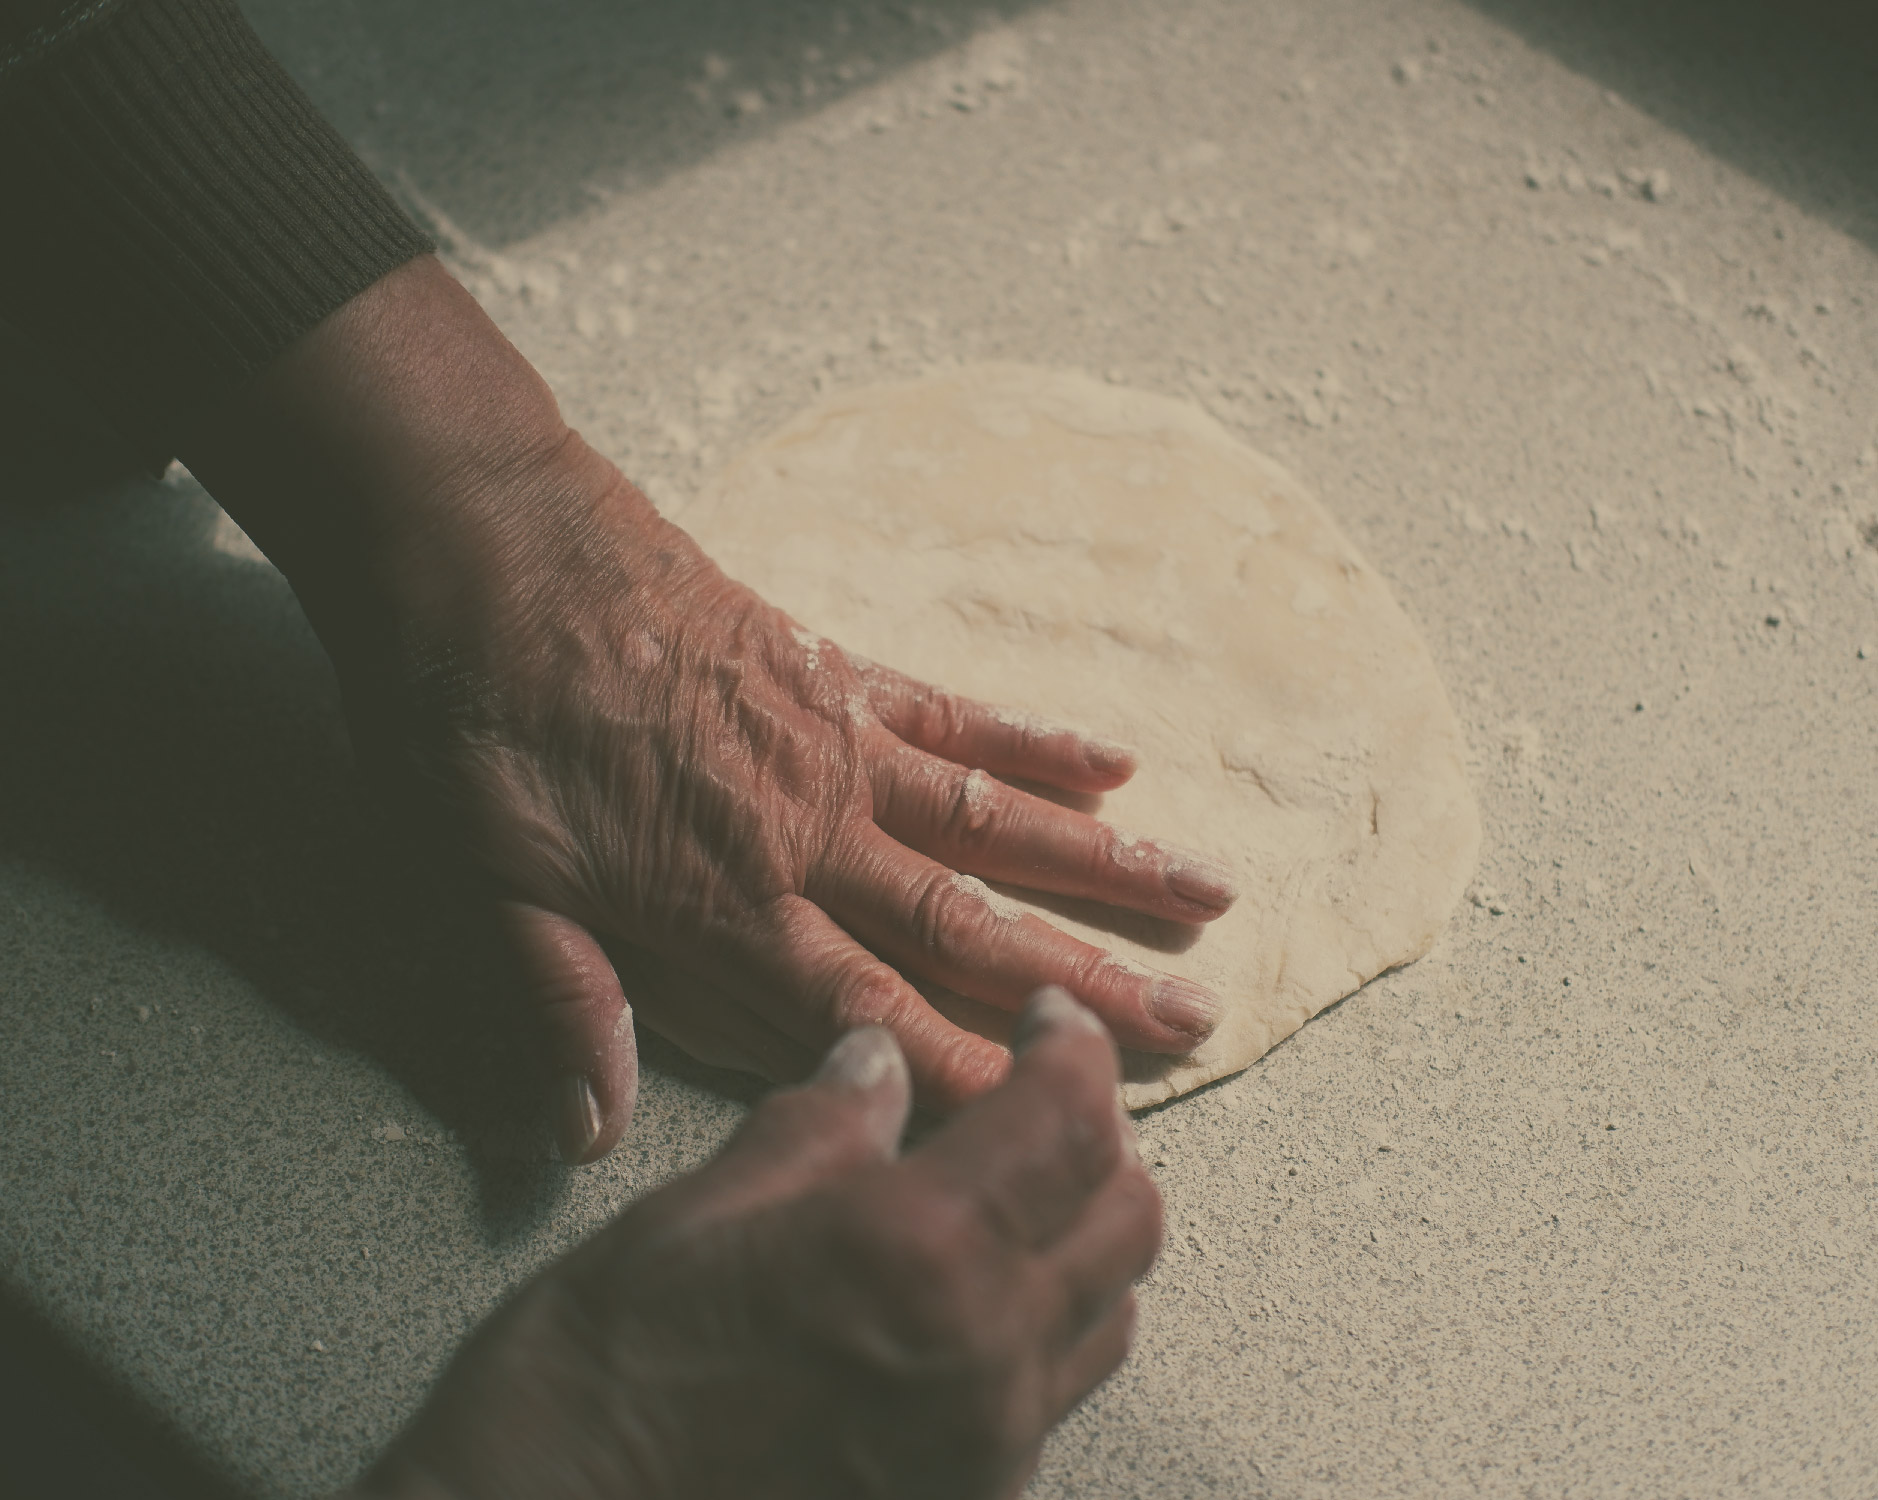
(586, 1028)
(849, 1114)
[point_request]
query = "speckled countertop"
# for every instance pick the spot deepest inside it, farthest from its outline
(1569, 313)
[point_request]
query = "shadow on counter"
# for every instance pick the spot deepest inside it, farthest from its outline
(1786, 92)
(69, 1430)
(179, 755)
(511, 116)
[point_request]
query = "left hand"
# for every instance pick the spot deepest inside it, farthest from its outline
(660, 775)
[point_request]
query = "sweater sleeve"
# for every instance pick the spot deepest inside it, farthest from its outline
(177, 210)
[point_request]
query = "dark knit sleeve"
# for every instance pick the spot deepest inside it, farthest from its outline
(177, 211)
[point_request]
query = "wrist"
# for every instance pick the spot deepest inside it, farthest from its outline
(408, 470)
(373, 417)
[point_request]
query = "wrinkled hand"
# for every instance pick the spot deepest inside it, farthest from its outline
(666, 779)
(643, 751)
(809, 1317)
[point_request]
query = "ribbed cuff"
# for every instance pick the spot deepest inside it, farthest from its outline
(179, 212)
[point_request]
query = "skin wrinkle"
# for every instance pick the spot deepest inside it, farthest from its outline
(935, 917)
(1000, 907)
(859, 993)
(951, 714)
(972, 813)
(1131, 966)
(1099, 966)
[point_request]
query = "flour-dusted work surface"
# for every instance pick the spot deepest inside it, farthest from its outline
(1572, 326)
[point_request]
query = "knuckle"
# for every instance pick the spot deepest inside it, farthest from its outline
(1093, 974)
(1029, 738)
(942, 718)
(967, 1067)
(949, 916)
(959, 718)
(866, 992)
(1114, 852)
(1116, 992)
(975, 814)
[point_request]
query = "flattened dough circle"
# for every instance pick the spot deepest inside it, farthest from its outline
(1117, 560)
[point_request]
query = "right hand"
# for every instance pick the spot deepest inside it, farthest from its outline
(811, 1315)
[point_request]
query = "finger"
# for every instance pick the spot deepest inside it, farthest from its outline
(1096, 1356)
(1110, 1247)
(586, 1025)
(973, 822)
(998, 740)
(849, 1114)
(1031, 1155)
(955, 931)
(808, 976)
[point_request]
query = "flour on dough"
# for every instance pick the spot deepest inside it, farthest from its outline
(1117, 560)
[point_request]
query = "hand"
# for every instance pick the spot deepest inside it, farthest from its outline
(665, 779)
(807, 1316)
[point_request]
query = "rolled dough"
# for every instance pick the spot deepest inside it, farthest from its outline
(1116, 560)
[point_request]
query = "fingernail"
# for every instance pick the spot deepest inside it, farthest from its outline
(1203, 881)
(576, 1117)
(1050, 1007)
(862, 1060)
(1185, 1006)
(1108, 757)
